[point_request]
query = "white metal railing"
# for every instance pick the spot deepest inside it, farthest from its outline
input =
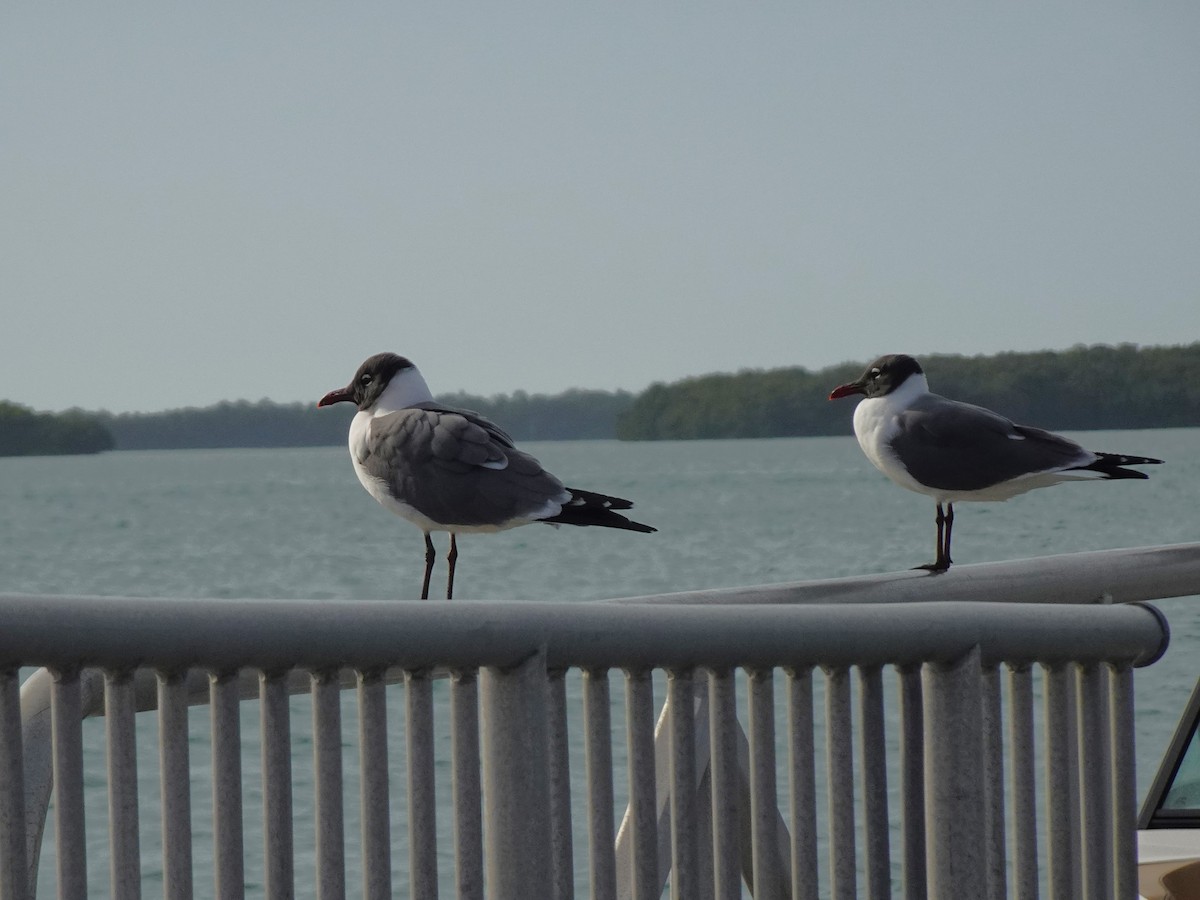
(704, 810)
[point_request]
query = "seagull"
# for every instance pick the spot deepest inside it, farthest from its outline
(447, 469)
(954, 451)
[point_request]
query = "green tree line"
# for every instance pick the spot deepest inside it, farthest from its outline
(24, 432)
(1082, 388)
(1094, 387)
(231, 423)
(574, 414)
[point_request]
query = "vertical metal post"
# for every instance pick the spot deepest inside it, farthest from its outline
(374, 788)
(684, 849)
(66, 712)
(327, 765)
(1074, 783)
(874, 775)
(275, 718)
(175, 782)
(954, 803)
(763, 802)
(14, 865)
(1062, 813)
(422, 802)
(1095, 772)
(704, 803)
(803, 765)
(643, 812)
(993, 784)
(723, 750)
(1022, 777)
(597, 727)
(229, 862)
(912, 781)
(1124, 781)
(559, 761)
(839, 752)
(516, 782)
(125, 876)
(466, 787)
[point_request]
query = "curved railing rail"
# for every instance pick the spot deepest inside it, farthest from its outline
(1124, 575)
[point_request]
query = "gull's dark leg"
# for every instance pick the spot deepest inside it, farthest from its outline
(949, 528)
(430, 555)
(942, 560)
(451, 558)
(940, 556)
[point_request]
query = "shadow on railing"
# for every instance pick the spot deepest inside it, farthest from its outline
(529, 694)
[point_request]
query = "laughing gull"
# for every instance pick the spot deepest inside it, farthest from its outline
(447, 469)
(954, 451)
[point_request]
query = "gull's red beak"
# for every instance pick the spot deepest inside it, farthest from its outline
(845, 390)
(338, 396)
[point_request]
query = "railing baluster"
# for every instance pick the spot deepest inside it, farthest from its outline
(327, 763)
(14, 864)
(702, 743)
(912, 781)
(374, 790)
(803, 781)
(763, 802)
(874, 775)
(1074, 784)
(559, 760)
(839, 754)
(643, 812)
(275, 716)
(422, 800)
(467, 788)
(70, 840)
(1061, 815)
(993, 784)
(1095, 772)
(1124, 781)
(515, 737)
(726, 782)
(228, 862)
(597, 727)
(125, 860)
(684, 839)
(954, 793)
(1022, 777)
(175, 784)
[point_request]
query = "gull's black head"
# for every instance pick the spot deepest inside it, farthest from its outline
(369, 381)
(881, 377)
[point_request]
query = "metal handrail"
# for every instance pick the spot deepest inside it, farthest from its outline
(173, 652)
(230, 635)
(1124, 575)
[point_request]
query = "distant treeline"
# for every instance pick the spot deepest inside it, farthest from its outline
(239, 423)
(24, 432)
(1082, 388)
(575, 414)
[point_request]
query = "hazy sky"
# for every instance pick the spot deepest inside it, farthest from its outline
(215, 201)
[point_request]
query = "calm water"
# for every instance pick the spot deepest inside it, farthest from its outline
(296, 524)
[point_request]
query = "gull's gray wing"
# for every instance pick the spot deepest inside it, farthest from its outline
(956, 446)
(457, 468)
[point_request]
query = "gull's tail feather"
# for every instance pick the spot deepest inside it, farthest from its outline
(589, 508)
(1109, 465)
